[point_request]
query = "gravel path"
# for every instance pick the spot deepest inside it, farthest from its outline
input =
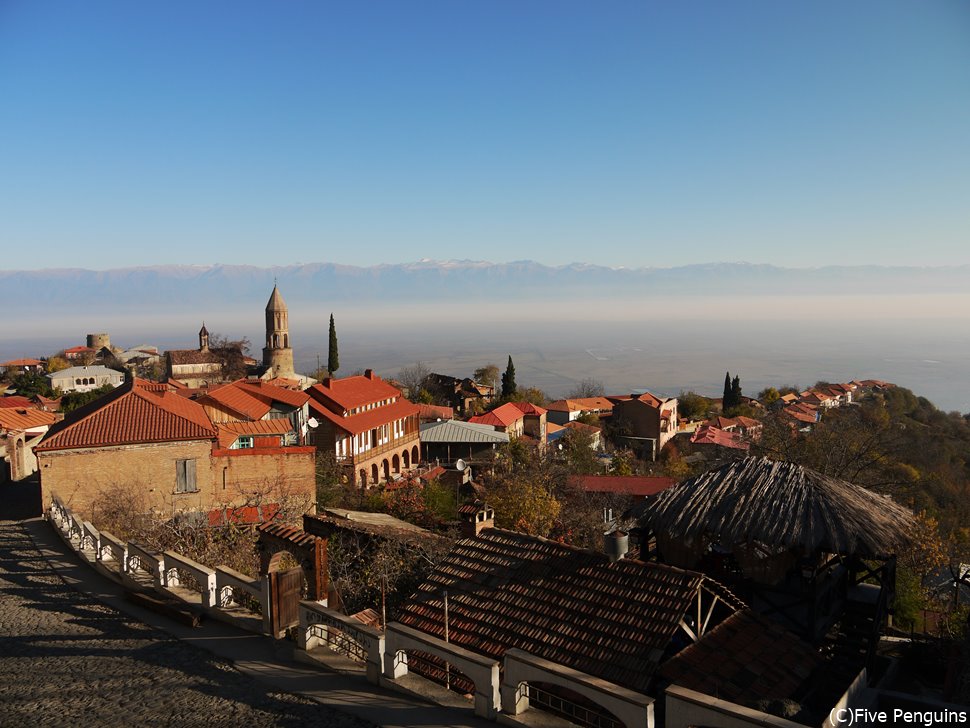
(68, 660)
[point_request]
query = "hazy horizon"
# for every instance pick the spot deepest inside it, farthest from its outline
(920, 342)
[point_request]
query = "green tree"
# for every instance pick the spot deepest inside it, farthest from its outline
(736, 391)
(508, 381)
(768, 396)
(691, 405)
(726, 397)
(28, 384)
(333, 359)
(72, 400)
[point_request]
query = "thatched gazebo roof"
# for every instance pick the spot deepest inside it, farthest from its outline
(780, 505)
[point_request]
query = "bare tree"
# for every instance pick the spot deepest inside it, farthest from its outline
(588, 387)
(413, 378)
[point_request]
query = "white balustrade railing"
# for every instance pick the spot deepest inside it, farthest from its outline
(204, 577)
(117, 559)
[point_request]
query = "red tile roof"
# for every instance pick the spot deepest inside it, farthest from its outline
(273, 392)
(567, 605)
(352, 392)
(745, 659)
(527, 408)
(638, 485)
(707, 435)
(24, 418)
(590, 403)
(435, 412)
(580, 427)
(229, 432)
(22, 363)
(132, 413)
(238, 400)
(355, 424)
(15, 401)
(501, 416)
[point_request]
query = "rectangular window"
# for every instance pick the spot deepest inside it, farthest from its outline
(244, 442)
(185, 476)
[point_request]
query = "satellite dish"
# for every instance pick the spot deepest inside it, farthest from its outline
(313, 422)
(460, 465)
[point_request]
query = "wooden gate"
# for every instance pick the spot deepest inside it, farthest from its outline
(285, 588)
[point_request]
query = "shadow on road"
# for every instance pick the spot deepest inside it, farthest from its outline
(20, 500)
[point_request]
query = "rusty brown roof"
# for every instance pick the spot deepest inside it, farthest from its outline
(568, 605)
(745, 659)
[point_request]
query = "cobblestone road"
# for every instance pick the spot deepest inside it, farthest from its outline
(68, 660)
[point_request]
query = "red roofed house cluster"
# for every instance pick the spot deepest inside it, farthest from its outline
(153, 442)
(366, 423)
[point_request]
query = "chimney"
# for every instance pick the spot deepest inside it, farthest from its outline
(616, 544)
(369, 373)
(475, 518)
(328, 382)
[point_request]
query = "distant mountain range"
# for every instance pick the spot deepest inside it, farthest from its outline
(466, 280)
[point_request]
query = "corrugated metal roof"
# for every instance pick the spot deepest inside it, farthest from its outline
(457, 431)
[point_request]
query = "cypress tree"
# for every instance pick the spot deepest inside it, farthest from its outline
(508, 380)
(736, 392)
(333, 359)
(726, 397)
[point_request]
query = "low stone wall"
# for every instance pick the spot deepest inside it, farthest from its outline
(318, 625)
(633, 709)
(135, 566)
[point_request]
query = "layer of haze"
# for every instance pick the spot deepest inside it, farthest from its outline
(649, 343)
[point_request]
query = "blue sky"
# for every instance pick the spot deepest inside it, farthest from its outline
(633, 134)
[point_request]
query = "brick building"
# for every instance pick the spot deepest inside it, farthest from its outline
(645, 422)
(163, 450)
(366, 423)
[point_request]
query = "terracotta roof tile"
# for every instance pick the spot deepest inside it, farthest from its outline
(355, 424)
(352, 392)
(15, 400)
(24, 418)
(571, 606)
(130, 414)
(707, 435)
(745, 659)
(229, 432)
(638, 485)
(238, 400)
(273, 392)
(501, 416)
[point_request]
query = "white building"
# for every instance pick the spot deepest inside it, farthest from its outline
(84, 379)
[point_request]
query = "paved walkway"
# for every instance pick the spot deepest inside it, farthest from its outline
(75, 649)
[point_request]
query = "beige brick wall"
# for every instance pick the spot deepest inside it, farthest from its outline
(148, 471)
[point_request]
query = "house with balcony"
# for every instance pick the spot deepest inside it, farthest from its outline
(367, 424)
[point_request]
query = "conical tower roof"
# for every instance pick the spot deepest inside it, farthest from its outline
(276, 302)
(203, 331)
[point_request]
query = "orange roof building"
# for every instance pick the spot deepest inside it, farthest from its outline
(517, 419)
(146, 442)
(371, 429)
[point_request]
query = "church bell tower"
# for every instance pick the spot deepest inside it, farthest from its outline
(277, 354)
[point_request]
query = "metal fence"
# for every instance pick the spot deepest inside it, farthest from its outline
(572, 711)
